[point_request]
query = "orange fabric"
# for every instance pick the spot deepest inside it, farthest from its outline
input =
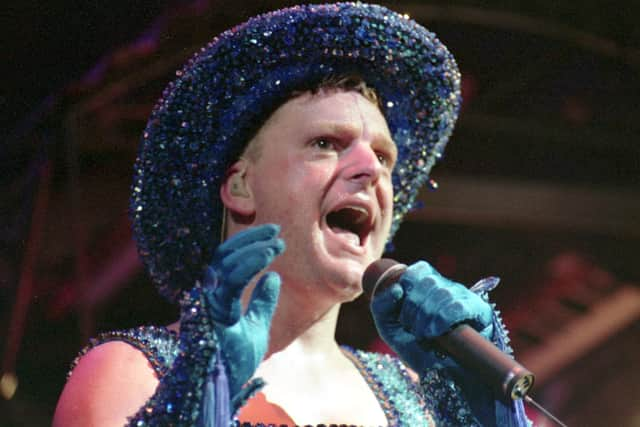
(259, 410)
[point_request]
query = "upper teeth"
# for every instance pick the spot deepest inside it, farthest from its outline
(360, 218)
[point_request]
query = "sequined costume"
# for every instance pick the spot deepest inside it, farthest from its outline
(181, 363)
(385, 375)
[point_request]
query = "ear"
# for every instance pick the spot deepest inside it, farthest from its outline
(234, 191)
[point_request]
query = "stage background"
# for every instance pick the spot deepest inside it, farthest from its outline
(540, 185)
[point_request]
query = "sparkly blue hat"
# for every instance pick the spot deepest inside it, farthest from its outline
(228, 89)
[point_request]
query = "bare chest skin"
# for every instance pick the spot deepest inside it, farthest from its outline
(319, 389)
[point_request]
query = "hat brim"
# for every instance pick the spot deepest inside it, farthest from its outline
(227, 90)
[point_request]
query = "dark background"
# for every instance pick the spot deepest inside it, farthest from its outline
(540, 183)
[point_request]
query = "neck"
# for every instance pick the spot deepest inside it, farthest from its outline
(305, 324)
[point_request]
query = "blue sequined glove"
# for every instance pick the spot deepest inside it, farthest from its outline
(424, 305)
(220, 347)
(242, 338)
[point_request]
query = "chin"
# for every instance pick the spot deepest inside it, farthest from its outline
(357, 292)
(344, 294)
(347, 283)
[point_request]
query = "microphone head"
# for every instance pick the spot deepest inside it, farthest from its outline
(379, 274)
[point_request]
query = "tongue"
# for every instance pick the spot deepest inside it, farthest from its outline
(352, 237)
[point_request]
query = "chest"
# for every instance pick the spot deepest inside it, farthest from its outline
(300, 401)
(374, 392)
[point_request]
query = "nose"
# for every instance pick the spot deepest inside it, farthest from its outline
(362, 164)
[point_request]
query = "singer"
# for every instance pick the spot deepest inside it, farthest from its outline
(272, 172)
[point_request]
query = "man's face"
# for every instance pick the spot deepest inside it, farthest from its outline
(323, 173)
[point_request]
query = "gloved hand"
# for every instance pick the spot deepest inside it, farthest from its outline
(243, 338)
(424, 305)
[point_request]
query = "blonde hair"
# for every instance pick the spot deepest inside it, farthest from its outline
(343, 82)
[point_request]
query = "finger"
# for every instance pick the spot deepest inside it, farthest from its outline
(222, 311)
(264, 300)
(487, 331)
(245, 237)
(480, 312)
(386, 306)
(417, 271)
(437, 315)
(460, 305)
(416, 301)
(246, 267)
(240, 257)
(237, 275)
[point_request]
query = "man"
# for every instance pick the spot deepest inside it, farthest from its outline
(311, 127)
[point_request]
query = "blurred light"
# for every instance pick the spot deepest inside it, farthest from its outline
(576, 110)
(8, 385)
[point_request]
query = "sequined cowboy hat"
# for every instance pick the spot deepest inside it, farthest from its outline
(207, 115)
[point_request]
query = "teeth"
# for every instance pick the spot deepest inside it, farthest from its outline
(348, 221)
(357, 214)
(363, 214)
(348, 235)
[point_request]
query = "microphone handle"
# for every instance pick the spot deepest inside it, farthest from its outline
(474, 352)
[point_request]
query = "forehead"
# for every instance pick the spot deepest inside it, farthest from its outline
(333, 108)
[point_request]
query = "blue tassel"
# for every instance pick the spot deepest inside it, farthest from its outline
(222, 399)
(208, 410)
(216, 404)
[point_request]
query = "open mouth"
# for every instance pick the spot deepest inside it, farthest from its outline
(353, 222)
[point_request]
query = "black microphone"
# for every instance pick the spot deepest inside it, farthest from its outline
(463, 343)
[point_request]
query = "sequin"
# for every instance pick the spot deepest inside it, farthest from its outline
(181, 364)
(401, 399)
(156, 343)
(205, 117)
(389, 380)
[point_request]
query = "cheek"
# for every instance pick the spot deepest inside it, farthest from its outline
(285, 191)
(290, 188)
(385, 195)
(309, 180)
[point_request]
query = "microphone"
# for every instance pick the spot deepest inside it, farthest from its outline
(463, 343)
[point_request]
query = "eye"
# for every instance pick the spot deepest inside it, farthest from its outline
(386, 159)
(324, 143)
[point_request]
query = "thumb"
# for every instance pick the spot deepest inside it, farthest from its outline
(386, 306)
(386, 309)
(264, 300)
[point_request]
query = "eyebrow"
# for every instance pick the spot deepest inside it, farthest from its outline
(344, 130)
